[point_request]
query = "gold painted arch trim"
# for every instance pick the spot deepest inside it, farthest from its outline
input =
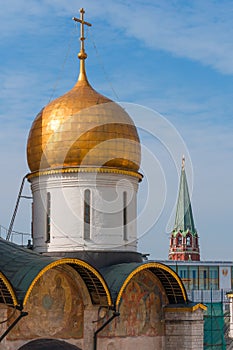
(70, 261)
(148, 266)
(85, 170)
(188, 309)
(9, 288)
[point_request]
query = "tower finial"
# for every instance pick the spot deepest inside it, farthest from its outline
(82, 54)
(183, 162)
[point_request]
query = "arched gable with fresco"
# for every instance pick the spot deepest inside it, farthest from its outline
(140, 308)
(142, 291)
(55, 306)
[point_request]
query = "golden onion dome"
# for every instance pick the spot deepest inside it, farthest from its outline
(83, 128)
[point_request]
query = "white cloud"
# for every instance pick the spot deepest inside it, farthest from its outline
(200, 30)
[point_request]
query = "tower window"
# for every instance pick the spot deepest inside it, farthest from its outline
(125, 233)
(48, 218)
(87, 214)
(179, 240)
(188, 240)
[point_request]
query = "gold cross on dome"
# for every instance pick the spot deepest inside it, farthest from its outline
(82, 54)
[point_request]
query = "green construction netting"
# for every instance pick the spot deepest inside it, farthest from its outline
(214, 327)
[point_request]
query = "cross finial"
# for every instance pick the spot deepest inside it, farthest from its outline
(82, 54)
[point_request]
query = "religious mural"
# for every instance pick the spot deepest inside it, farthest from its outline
(55, 309)
(141, 309)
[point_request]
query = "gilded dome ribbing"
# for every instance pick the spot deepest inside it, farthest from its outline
(83, 128)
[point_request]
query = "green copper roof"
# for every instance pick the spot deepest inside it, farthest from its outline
(183, 233)
(20, 266)
(184, 216)
(117, 276)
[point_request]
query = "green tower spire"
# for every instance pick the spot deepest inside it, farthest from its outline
(184, 238)
(184, 216)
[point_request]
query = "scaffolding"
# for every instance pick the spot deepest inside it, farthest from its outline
(216, 318)
(215, 327)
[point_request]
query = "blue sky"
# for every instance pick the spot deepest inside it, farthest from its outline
(171, 57)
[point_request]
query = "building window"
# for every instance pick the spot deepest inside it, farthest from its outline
(87, 214)
(48, 218)
(125, 234)
(183, 272)
(184, 275)
(179, 240)
(193, 277)
(213, 277)
(203, 277)
(188, 240)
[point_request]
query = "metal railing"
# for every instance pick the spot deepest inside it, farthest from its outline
(20, 238)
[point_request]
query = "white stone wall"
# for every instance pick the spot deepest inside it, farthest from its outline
(130, 343)
(184, 330)
(67, 212)
(86, 343)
